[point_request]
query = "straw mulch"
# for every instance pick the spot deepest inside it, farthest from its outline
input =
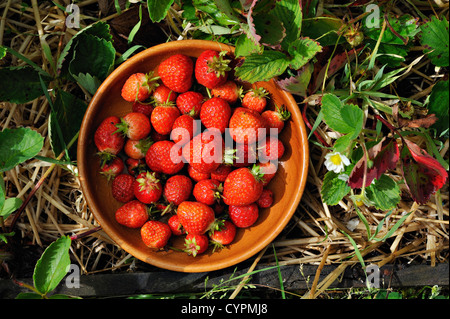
(313, 236)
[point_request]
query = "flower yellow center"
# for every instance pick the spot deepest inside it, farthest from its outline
(336, 159)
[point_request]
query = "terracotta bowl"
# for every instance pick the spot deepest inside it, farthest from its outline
(288, 185)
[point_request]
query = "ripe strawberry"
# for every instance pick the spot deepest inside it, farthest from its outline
(196, 218)
(275, 119)
(175, 226)
(270, 149)
(184, 129)
(196, 244)
(243, 186)
(208, 191)
(222, 236)
(158, 137)
(229, 91)
(164, 157)
(135, 126)
(134, 166)
(107, 142)
(122, 188)
(196, 175)
(176, 72)
(147, 188)
(246, 125)
(163, 117)
(245, 155)
(211, 69)
(266, 198)
(155, 234)
(138, 87)
(137, 149)
(268, 170)
(112, 168)
(132, 214)
(221, 172)
(204, 152)
(215, 113)
(243, 216)
(255, 99)
(190, 103)
(177, 189)
(164, 95)
(144, 108)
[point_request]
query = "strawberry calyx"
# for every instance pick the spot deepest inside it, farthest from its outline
(282, 113)
(148, 182)
(145, 144)
(219, 64)
(256, 172)
(259, 92)
(150, 81)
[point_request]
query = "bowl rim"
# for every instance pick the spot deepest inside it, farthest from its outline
(191, 268)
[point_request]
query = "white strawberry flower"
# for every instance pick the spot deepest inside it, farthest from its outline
(336, 162)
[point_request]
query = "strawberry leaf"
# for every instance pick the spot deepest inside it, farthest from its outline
(423, 174)
(298, 84)
(157, 9)
(334, 187)
(439, 106)
(435, 39)
(270, 28)
(302, 50)
(384, 193)
(290, 13)
(346, 119)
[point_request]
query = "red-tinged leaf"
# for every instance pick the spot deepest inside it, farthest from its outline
(425, 122)
(423, 174)
(384, 156)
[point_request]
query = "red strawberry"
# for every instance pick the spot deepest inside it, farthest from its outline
(215, 113)
(112, 168)
(245, 155)
(243, 216)
(135, 126)
(275, 119)
(270, 149)
(196, 218)
(211, 69)
(105, 138)
(176, 72)
(243, 186)
(222, 236)
(205, 151)
(255, 99)
(190, 103)
(132, 214)
(266, 198)
(221, 172)
(137, 149)
(246, 125)
(155, 234)
(196, 175)
(229, 91)
(208, 191)
(184, 129)
(144, 108)
(158, 137)
(134, 166)
(164, 157)
(147, 188)
(175, 226)
(177, 189)
(138, 87)
(122, 188)
(268, 170)
(196, 244)
(163, 117)
(164, 95)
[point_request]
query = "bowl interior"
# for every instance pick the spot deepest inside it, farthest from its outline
(288, 185)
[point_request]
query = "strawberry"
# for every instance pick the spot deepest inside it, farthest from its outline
(245, 155)
(266, 198)
(112, 168)
(243, 216)
(268, 170)
(176, 72)
(175, 226)
(138, 87)
(164, 95)
(107, 142)
(196, 244)
(137, 149)
(255, 99)
(159, 137)
(144, 108)
(184, 129)
(205, 151)
(163, 117)
(229, 91)
(163, 157)
(270, 149)
(177, 189)
(122, 188)
(190, 103)
(196, 175)
(211, 69)
(207, 191)
(134, 125)
(147, 188)
(132, 214)
(222, 236)
(196, 218)
(215, 113)
(242, 186)
(276, 119)
(221, 172)
(246, 125)
(134, 166)
(155, 234)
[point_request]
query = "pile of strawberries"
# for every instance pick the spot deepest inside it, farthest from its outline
(168, 162)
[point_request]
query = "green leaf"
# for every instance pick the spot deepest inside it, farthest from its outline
(435, 39)
(20, 84)
(302, 50)
(405, 28)
(384, 193)
(157, 9)
(270, 28)
(9, 206)
(245, 46)
(439, 105)
(334, 187)
(262, 67)
(290, 13)
(53, 265)
(323, 29)
(342, 118)
(209, 7)
(298, 84)
(17, 146)
(29, 295)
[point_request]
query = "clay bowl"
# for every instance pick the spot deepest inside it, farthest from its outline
(288, 185)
